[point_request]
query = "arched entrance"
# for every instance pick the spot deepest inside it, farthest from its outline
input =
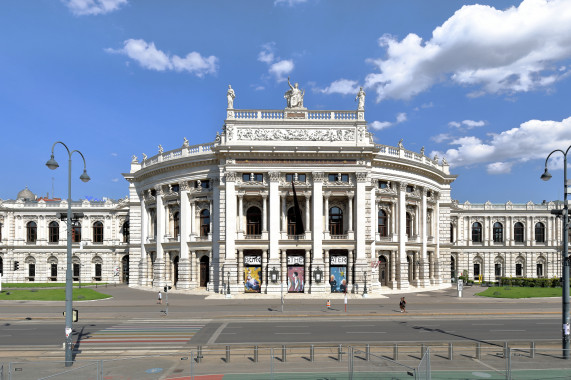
(1, 266)
(125, 269)
(204, 273)
(383, 270)
(175, 270)
(453, 268)
(410, 268)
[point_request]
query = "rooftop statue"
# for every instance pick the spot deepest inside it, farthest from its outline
(361, 99)
(294, 96)
(230, 95)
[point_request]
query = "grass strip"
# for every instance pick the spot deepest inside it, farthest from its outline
(82, 294)
(520, 292)
(14, 285)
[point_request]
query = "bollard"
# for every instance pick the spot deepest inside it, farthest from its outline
(396, 352)
(340, 353)
(532, 350)
(255, 354)
(368, 352)
(199, 354)
(450, 351)
(312, 353)
(506, 349)
(227, 354)
(284, 357)
(478, 351)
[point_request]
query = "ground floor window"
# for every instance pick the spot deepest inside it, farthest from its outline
(539, 270)
(498, 270)
(519, 270)
(477, 271)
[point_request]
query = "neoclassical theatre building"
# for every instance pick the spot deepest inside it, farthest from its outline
(294, 199)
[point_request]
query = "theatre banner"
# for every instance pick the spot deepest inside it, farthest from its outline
(253, 279)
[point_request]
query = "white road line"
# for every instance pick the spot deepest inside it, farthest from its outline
(365, 332)
(217, 333)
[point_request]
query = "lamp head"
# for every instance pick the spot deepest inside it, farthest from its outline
(84, 177)
(52, 163)
(546, 176)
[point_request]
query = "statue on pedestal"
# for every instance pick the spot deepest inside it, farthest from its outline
(294, 96)
(361, 98)
(230, 95)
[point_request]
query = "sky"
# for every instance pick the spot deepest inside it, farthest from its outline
(485, 84)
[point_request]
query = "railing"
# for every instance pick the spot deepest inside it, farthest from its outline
(178, 153)
(293, 114)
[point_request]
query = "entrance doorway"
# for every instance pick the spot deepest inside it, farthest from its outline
(125, 269)
(383, 270)
(175, 270)
(204, 273)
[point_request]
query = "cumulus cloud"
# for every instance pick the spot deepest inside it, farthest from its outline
(277, 67)
(93, 7)
(378, 125)
(149, 57)
(494, 51)
(342, 86)
(503, 150)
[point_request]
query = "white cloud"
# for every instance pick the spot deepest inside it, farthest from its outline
(114, 154)
(290, 3)
(93, 7)
(532, 140)
(401, 117)
(149, 57)
(467, 124)
(378, 125)
(115, 180)
(278, 68)
(499, 167)
(496, 51)
(281, 69)
(342, 86)
(441, 138)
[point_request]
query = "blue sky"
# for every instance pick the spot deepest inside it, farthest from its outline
(485, 84)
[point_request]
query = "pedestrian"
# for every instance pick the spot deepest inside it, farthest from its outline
(402, 305)
(160, 299)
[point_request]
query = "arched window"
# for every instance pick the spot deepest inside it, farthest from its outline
(204, 222)
(31, 232)
(335, 221)
(539, 233)
(76, 232)
(125, 232)
(98, 232)
(53, 232)
(52, 262)
(383, 223)
(254, 221)
(476, 232)
(518, 232)
(451, 232)
(176, 224)
(498, 232)
(408, 224)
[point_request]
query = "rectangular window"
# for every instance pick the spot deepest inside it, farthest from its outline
(476, 271)
(53, 270)
(383, 184)
(409, 189)
(205, 184)
(245, 177)
(252, 177)
(539, 270)
(338, 177)
(498, 270)
(300, 177)
(98, 270)
(519, 270)
(32, 270)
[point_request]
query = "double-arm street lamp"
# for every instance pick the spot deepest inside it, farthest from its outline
(52, 164)
(565, 213)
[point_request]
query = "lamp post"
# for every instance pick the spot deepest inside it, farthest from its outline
(546, 176)
(52, 164)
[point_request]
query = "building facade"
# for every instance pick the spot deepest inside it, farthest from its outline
(294, 199)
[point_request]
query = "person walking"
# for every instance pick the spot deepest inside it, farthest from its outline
(402, 305)
(160, 298)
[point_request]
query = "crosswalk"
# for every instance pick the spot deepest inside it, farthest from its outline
(143, 333)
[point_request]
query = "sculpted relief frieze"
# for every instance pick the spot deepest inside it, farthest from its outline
(308, 134)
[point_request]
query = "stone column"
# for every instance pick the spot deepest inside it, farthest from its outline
(317, 230)
(264, 212)
(265, 276)
(192, 218)
(143, 276)
(159, 267)
(230, 224)
(308, 277)
(350, 213)
(239, 222)
(402, 267)
(393, 267)
(307, 224)
(274, 225)
(326, 207)
(360, 255)
(240, 275)
(424, 275)
(283, 270)
(184, 262)
(438, 258)
(326, 272)
(283, 213)
(350, 270)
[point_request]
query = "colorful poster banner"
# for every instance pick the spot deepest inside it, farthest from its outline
(338, 279)
(252, 279)
(295, 279)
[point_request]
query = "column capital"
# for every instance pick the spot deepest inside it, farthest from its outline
(361, 176)
(274, 176)
(184, 186)
(402, 186)
(231, 176)
(318, 176)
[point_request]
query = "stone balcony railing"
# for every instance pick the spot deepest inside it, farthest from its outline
(293, 114)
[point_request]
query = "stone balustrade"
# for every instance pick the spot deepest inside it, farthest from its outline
(302, 114)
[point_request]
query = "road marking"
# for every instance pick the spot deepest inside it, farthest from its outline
(217, 333)
(365, 332)
(223, 333)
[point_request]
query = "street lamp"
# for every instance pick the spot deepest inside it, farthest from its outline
(52, 164)
(546, 176)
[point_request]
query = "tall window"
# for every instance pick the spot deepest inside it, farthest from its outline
(176, 224)
(53, 232)
(338, 177)
(53, 271)
(383, 223)
(125, 232)
(408, 224)
(518, 232)
(31, 232)
(539, 270)
(98, 270)
(498, 270)
(98, 232)
(204, 222)
(498, 232)
(451, 233)
(335, 221)
(31, 271)
(477, 271)
(539, 233)
(477, 232)
(76, 232)
(254, 221)
(291, 230)
(519, 269)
